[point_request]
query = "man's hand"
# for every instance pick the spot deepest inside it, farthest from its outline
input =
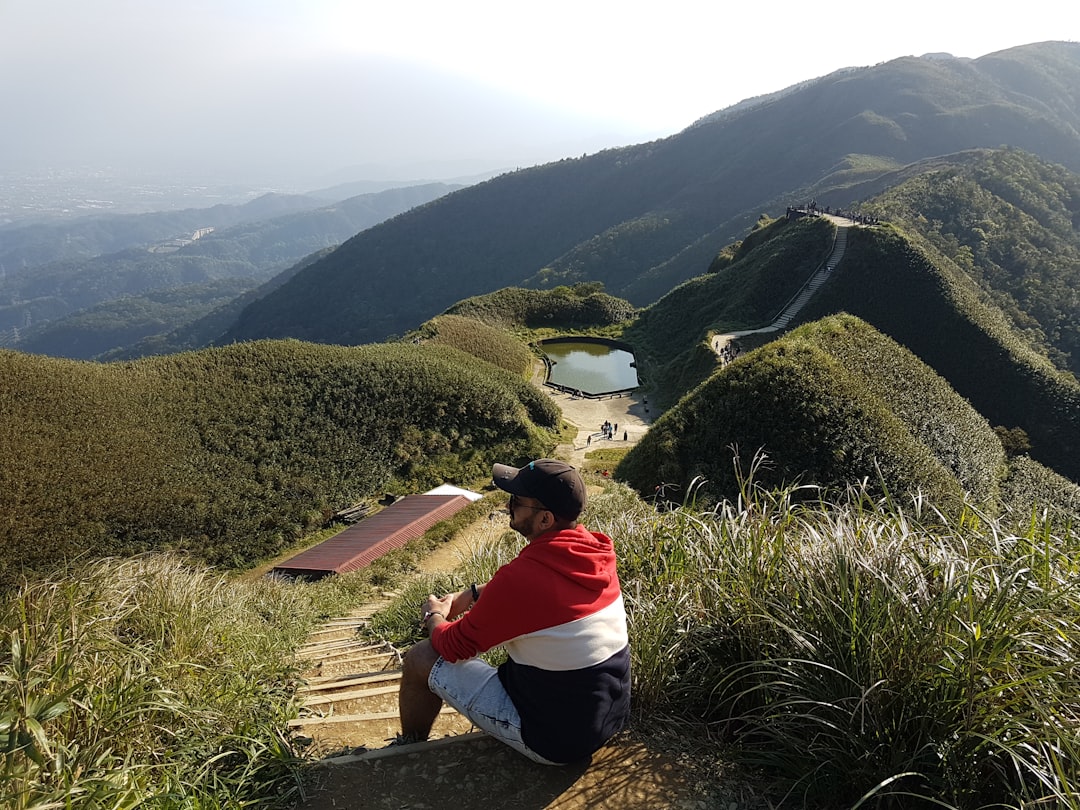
(440, 604)
(436, 610)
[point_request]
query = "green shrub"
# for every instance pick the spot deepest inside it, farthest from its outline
(830, 403)
(1033, 494)
(235, 453)
(496, 346)
(923, 301)
(562, 307)
(856, 652)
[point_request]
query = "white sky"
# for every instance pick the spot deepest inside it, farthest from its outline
(399, 86)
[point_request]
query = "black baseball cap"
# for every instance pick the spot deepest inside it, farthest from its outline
(556, 484)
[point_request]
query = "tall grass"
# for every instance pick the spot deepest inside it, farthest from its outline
(144, 682)
(861, 653)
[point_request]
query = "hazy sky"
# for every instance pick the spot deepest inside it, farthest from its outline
(253, 88)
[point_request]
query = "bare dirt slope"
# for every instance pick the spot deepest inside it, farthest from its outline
(483, 772)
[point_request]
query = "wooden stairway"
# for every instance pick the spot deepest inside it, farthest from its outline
(350, 696)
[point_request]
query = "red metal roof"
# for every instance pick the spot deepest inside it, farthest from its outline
(374, 536)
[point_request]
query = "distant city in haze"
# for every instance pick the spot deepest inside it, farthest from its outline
(45, 194)
(64, 193)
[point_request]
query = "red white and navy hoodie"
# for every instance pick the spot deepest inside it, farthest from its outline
(557, 609)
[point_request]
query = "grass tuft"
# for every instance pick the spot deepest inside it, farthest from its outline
(862, 652)
(146, 682)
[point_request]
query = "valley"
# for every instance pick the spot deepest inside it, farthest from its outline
(845, 506)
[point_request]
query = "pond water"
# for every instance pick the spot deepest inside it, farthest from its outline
(594, 368)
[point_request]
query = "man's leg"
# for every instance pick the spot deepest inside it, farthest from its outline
(418, 706)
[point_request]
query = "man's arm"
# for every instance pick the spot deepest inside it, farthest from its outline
(465, 600)
(439, 610)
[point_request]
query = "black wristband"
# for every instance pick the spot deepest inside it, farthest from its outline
(475, 592)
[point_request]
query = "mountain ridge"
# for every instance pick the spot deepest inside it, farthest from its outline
(264, 243)
(640, 218)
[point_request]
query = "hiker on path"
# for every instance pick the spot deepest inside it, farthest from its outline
(557, 608)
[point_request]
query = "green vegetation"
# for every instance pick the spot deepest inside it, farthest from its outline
(745, 288)
(582, 306)
(205, 331)
(149, 682)
(233, 454)
(1035, 493)
(844, 651)
(926, 303)
(830, 403)
(144, 683)
(603, 461)
(1012, 223)
(862, 651)
(848, 649)
(126, 321)
(474, 337)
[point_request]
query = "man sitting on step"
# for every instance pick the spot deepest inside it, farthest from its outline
(556, 608)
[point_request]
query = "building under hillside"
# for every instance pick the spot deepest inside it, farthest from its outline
(366, 541)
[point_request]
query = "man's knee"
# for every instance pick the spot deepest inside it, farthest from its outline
(419, 659)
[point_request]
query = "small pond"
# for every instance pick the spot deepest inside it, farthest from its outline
(593, 367)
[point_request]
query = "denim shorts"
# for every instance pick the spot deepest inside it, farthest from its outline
(473, 688)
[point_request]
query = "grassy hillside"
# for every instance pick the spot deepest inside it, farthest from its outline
(923, 301)
(233, 453)
(858, 653)
(642, 219)
(496, 346)
(582, 306)
(847, 649)
(831, 403)
(1011, 222)
(746, 285)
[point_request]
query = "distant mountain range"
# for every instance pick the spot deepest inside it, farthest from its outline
(84, 287)
(644, 218)
(937, 363)
(639, 219)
